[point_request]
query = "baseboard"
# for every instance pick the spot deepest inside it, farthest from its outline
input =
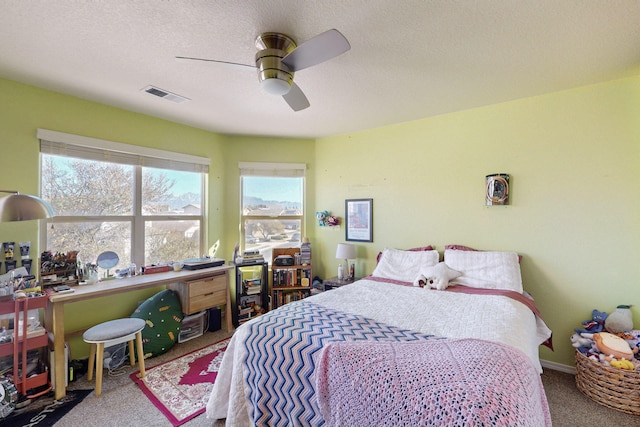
(558, 367)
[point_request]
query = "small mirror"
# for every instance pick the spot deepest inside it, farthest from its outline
(107, 260)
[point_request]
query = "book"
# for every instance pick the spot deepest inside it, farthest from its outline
(245, 311)
(305, 253)
(254, 290)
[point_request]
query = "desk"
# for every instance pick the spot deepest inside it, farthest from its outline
(54, 312)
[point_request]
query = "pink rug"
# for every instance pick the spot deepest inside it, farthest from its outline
(180, 388)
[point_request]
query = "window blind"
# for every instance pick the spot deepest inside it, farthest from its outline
(272, 169)
(82, 147)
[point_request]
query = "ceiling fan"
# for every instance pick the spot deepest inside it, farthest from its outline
(278, 58)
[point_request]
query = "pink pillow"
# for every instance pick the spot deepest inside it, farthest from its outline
(459, 248)
(421, 248)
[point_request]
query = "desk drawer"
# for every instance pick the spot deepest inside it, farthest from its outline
(211, 299)
(206, 286)
(201, 294)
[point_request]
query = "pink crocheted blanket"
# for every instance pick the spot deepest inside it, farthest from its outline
(461, 382)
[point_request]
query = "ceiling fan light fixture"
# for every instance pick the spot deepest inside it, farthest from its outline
(275, 86)
(275, 77)
(278, 58)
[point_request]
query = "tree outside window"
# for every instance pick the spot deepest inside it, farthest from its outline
(146, 215)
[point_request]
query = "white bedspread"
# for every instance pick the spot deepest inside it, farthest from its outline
(455, 315)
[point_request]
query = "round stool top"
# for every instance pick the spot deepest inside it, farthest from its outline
(114, 329)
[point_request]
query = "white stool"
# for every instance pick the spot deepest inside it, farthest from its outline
(111, 333)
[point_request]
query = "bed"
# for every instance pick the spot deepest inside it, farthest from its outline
(382, 351)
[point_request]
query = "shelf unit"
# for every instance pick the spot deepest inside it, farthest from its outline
(62, 277)
(252, 291)
(20, 346)
(58, 268)
(289, 283)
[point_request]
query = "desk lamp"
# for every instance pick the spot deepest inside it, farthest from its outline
(22, 207)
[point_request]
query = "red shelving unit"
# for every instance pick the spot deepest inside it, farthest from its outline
(21, 345)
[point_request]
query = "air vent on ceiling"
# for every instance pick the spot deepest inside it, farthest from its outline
(165, 94)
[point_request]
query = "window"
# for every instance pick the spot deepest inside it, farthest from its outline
(145, 205)
(272, 197)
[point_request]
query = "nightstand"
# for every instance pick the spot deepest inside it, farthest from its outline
(334, 282)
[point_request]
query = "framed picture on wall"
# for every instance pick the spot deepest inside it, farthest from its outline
(497, 189)
(359, 220)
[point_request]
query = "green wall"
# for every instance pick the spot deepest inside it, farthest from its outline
(24, 109)
(256, 149)
(574, 161)
(573, 157)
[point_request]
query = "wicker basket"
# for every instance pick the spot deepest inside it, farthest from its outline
(615, 388)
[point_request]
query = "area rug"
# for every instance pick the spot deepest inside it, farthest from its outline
(180, 388)
(45, 411)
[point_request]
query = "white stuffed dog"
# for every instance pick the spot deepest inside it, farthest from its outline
(436, 277)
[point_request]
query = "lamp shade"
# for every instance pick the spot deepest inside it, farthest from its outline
(22, 207)
(345, 251)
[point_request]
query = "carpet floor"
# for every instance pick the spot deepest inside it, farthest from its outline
(44, 411)
(123, 403)
(570, 408)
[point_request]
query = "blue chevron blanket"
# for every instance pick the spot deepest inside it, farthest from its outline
(282, 352)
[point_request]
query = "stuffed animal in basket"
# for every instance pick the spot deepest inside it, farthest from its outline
(621, 364)
(595, 324)
(612, 345)
(436, 277)
(581, 343)
(620, 320)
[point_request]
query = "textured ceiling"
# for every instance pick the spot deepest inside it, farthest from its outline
(408, 59)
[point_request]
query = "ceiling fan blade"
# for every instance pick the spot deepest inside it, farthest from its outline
(320, 48)
(296, 98)
(214, 60)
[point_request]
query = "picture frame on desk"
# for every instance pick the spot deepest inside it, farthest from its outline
(359, 220)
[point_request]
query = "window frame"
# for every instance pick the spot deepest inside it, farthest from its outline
(74, 146)
(271, 170)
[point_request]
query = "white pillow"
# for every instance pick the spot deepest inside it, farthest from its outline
(486, 269)
(404, 265)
